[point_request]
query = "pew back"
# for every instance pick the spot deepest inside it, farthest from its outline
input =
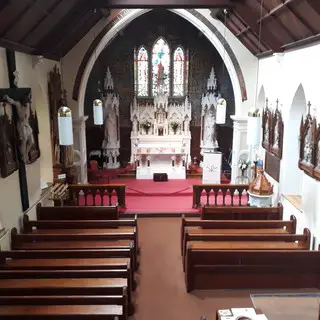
(77, 213)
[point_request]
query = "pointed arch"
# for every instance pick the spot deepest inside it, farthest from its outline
(178, 72)
(160, 65)
(261, 98)
(142, 72)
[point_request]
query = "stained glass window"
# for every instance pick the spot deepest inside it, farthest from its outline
(178, 72)
(160, 67)
(142, 72)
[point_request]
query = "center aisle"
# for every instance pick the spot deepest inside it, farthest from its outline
(161, 292)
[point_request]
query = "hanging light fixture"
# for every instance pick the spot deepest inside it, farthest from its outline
(64, 117)
(65, 126)
(254, 115)
(97, 112)
(221, 111)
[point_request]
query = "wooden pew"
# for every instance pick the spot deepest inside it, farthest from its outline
(242, 226)
(30, 225)
(247, 242)
(77, 213)
(95, 226)
(72, 274)
(75, 287)
(65, 307)
(243, 269)
(241, 213)
(67, 260)
(114, 240)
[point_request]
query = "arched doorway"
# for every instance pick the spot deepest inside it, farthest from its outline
(292, 179)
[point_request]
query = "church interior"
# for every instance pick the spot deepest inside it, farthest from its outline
(156, 148)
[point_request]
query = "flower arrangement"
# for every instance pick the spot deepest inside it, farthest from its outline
(146, 126)
(174, 126)
(243, 164)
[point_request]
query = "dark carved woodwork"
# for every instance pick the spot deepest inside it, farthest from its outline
(272, 165)
(266, 127)
(55, 93)
(272, 130)
(34, 153)
(308, 130)
(8, 154)
(316, 172)
(276, 134)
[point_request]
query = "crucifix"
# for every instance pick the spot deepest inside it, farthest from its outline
(11, 63)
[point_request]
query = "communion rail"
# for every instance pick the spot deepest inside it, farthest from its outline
(222, 194)
(97, 195)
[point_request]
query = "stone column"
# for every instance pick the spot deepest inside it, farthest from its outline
(80, 144)
(239, 143)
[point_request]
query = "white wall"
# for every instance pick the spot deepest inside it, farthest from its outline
(36, 77)
(292, 78)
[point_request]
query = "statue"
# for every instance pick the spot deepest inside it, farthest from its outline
(307, 151)
(111, 126)
(266, 132)
(276, 135)
(25, 132)
(209, 135)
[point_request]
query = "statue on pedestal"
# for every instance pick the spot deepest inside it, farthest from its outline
(111, 142)
(209, 104)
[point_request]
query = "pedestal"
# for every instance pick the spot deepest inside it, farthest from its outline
(260, 201)
(211, 171)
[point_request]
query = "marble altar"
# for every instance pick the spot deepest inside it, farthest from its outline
(160, 137)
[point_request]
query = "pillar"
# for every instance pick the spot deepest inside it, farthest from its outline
(80, 144)
(239, 143)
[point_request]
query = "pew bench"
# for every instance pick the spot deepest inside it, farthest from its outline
(77, 213)
(113, 240)
(192, 236)
(241, 213)
(255, 269)
(199, 226)
(66, 286)
(63, 312)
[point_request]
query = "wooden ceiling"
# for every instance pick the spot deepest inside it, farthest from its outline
(268, 26)
(53, 27)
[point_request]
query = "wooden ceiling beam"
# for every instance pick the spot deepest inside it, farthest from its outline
(276, 9)
(315, 5)
(251, 21)
(6, 43)
(60, 31)
(163, 3)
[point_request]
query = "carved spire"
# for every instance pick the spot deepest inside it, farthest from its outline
(108, 81)
(277, 103)
(267, 101)
(309, 106)
(212, 81)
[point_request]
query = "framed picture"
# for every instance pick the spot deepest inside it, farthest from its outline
(308, 128)
(266, 128)
(277, 134)
(316, 172)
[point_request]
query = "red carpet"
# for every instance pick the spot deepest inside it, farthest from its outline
(147, 196)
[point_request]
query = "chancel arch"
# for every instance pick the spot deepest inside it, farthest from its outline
(125, 18)
(292, 178)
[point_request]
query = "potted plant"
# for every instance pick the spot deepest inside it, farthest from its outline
(146, 126)
(174, 126)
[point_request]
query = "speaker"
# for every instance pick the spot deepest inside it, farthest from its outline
(160, 177)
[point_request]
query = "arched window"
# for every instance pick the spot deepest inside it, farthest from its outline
(142, 77)
(160, 67)
(155, 73)
(178, 72)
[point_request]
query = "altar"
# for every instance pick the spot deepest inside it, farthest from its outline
(160, 137)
